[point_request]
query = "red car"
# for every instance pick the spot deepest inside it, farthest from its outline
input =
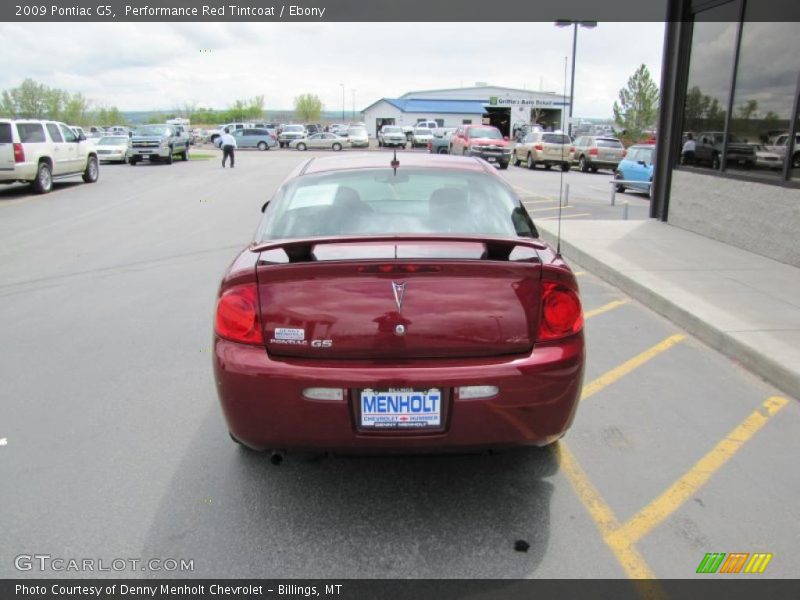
(483, 141)
(397, 306)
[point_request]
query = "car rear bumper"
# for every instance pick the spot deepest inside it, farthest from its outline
(264, 406)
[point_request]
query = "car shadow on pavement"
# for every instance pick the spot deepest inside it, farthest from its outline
(237, 515)
(15, 191)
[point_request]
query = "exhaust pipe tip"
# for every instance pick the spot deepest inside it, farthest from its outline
(276, 458)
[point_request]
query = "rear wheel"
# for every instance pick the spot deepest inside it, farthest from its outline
(565, 167)
(185, 154)
(44, 179)
(796, 160)
(530, 162)
(336, 147)
(583, 165)
(301, 146)
(517, 161)
(262, 146)
(92, 171)
(168, 158)
(441, 151)
(715, 164)
(619, 187)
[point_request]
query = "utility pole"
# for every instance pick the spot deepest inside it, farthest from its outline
(341, 84)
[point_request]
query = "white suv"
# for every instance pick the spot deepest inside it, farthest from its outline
(36, 152)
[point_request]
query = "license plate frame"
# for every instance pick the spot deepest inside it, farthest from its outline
(387, 409)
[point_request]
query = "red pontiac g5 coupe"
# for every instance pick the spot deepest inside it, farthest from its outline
(390, 306)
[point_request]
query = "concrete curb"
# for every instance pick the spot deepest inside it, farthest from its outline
(749, 357)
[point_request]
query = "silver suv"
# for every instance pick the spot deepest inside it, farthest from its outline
(596, 152)
(38, 151)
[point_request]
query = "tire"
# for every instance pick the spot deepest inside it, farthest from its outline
(548, 166)
(583, 165)
(620, 189)
(504, 166)
(517, 161)
(44, 179)
(442, 150)
(185, 154)
(263, 146)
(132, 162)
(565, 167)
(796, 160)
(715, 164)
(168, 158)
(336, 147)
(92, 171)
(301, 147)
(594, 169)
(530, 163)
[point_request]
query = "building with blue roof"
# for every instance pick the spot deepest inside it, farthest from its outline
(506, 108)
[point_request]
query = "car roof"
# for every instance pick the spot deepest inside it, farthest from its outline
(377, 160)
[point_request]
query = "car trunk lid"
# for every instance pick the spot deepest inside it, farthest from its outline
(388, 300)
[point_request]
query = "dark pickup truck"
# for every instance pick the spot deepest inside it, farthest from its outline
(708, 150)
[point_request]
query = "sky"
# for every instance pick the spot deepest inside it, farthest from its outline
(165, 66)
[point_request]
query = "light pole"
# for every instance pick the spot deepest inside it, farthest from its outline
(574, 23)
(354, 105)
(341, 84)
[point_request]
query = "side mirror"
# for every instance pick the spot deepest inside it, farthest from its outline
(264, 206)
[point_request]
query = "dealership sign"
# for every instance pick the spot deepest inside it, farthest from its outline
(497, 101)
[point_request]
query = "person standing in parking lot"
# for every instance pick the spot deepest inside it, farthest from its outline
(228, 144)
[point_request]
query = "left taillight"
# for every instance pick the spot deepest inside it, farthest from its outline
(237, 315)
(19, 153)
(561, 313)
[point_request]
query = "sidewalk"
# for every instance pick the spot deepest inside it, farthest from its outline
(742, 304)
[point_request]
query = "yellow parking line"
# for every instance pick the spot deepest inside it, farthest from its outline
(629, 558)
(538, 201)
(550, 208)
(685, 487)
(578, 273)
(569, 216)
(605, 308)
(617, 373)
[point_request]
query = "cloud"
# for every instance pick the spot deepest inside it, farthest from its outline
(146, 66)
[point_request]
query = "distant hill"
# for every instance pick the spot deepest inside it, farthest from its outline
(135, 117)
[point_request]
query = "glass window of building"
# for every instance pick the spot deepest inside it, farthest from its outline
(763, 99)
(711, 58)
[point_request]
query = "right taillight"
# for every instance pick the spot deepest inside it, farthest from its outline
(19, 153)
(593, 151)
(538, 147)
(237, 315)
(561, 314)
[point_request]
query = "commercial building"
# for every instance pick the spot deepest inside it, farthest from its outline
(731, 78)
(506, 108)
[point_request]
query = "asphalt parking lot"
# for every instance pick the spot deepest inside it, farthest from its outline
(115, 445)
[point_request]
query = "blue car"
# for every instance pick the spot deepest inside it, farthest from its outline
(636, 166)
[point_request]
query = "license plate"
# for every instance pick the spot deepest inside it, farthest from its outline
(401, 408)
(491, 158)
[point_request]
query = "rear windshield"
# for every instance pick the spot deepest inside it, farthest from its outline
(392, 130)
(5, 133)
(357, 131)
(555, 138)
(30, 132)
(376, 201)
(608, 143)
(484, 132)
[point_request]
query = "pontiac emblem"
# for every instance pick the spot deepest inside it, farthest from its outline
(399, 290)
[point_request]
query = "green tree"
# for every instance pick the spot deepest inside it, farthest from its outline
(307, 107)
(637, 109)
(29, 100)
(748, 110)
(76, 109)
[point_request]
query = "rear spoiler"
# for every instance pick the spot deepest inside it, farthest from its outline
(497, 248)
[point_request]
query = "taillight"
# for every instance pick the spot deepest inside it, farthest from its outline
(237, 315)
(19, 153)
(593, 151)
(561, 312)
(538, 147)
(572, 148)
